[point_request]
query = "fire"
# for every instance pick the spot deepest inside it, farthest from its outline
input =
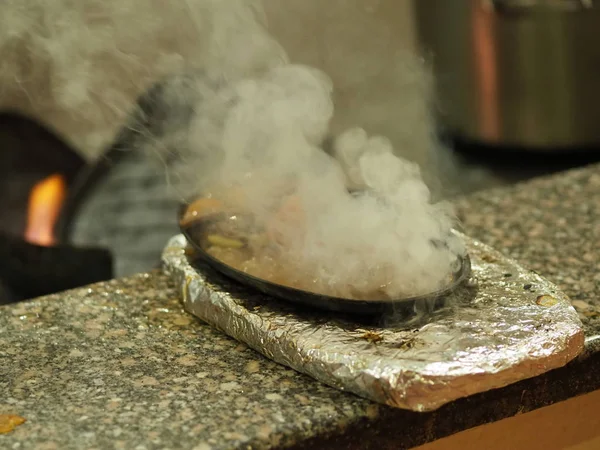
(45, 202)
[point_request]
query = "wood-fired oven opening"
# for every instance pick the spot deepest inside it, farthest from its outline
(37, 170)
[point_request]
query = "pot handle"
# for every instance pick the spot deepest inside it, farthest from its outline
(531, 6)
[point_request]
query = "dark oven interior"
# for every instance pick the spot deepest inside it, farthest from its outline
(66, 223)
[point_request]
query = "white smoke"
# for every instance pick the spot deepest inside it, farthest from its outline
(256, 121)
(80, 65)
(270, 141)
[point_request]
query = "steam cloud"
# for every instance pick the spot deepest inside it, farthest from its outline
(80, 65)
(253, 120)
(269, 142)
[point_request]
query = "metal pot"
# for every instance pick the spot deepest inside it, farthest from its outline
(516, 73)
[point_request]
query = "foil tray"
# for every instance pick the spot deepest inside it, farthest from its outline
(507, 324)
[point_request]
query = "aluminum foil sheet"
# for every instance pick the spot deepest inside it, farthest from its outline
(506, 325)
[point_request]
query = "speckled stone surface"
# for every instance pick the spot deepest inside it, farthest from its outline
(120, 365)
(552, 226)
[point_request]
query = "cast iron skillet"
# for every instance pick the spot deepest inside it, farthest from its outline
(195, 231)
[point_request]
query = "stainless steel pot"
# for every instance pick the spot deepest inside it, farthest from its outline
(518, 73)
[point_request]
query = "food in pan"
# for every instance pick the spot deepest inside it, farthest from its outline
(264, 247)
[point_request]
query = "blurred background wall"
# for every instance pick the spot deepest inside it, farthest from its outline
(364, 45)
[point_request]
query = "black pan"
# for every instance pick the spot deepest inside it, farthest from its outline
(195, 231)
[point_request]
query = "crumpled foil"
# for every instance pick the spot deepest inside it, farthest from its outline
(505, 325)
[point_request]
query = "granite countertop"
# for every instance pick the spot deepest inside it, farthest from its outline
(120, 365)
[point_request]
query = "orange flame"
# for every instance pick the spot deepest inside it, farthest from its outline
(45, 202)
